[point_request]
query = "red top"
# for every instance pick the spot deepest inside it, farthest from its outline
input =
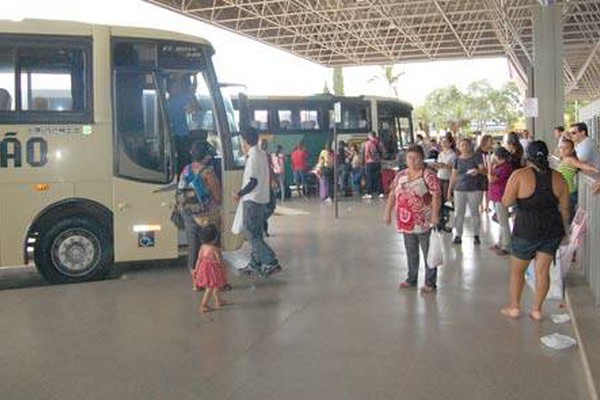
(414, 201)
(373, 151)
(300, 160)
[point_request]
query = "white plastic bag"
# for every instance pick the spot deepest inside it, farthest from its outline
(556, 291)
(558, 342)
(560, 318)
(238, 221)
(435, 254)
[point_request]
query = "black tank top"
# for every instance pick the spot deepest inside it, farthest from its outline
(538, 217)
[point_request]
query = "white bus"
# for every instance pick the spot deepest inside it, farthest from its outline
(87, 144)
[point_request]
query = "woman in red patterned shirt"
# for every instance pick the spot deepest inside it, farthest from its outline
(415, 194)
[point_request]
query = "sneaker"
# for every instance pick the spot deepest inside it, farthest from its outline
(227, 287)
(502, 252)
(477, 240)
(273, 269)
(247, 270)
(367, 196)
(457, 240)
(381, 195)
(327, 201)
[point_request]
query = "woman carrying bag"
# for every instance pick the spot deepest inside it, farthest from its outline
(198, 197)
(415, 194)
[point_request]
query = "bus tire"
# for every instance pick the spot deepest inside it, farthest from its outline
(73, 249)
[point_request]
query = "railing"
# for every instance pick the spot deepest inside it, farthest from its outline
(588, 254)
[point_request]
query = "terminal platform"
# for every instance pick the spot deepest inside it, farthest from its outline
(331, 325)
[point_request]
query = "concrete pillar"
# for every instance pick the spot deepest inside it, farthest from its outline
(548, 84)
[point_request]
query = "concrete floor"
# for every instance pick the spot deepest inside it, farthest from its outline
(331, 326)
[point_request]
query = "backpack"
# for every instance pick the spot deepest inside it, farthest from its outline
(195, 197)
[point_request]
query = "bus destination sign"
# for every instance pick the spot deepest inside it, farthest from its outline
(180, 55)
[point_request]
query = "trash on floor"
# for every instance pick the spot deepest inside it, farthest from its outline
(558, 342)
(560, 318)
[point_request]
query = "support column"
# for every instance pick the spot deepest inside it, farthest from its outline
(548, 83)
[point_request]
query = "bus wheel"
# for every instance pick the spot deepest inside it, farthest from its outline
(74, 249)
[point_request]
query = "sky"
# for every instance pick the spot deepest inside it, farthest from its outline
(263, 69)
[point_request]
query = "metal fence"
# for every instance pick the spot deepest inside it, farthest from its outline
(589, 253)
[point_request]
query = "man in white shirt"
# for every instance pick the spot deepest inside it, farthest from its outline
(525, 139)
(585, 147)
(254, 196)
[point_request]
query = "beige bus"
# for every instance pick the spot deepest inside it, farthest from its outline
(87, 143)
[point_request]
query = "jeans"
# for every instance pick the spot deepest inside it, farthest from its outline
(281, 183)
(357, 174)
(461, 199)
(192, 233)
(300, 181)
(344, 179)
(373, 172)
(412, 242)
(502, 215)
(260, 252)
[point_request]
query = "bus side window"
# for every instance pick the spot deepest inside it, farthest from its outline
(5, 100)
(46, 80)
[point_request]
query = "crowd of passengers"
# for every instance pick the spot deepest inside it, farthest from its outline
(514, 176)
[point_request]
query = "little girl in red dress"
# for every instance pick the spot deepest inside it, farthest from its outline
(210, 271)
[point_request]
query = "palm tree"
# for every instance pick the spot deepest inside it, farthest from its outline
(389, 76)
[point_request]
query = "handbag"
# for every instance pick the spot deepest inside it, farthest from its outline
(187, 201)
(177, 218)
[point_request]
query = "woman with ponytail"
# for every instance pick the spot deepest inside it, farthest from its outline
(542, 199)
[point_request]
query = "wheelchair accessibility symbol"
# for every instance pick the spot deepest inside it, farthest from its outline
(146, 239)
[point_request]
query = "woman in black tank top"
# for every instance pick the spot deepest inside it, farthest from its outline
(540, 225)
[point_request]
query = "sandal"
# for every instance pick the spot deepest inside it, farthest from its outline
(428, 288)
(536, 315)
(205, 309)
(405, 285)
(513, 313)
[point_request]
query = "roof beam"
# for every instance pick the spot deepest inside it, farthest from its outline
(439, 7)
(584, 67)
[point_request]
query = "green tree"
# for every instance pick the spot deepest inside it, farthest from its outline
(390, 77)
(448, 108)
(506, 104)
(423, 117)
(478, 100)
(572, 111)
(338, 81)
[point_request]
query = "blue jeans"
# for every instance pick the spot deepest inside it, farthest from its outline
(260, 253)
(192, 233)
(357, 174)
(412, 242)
(373, 172)
(300, 181)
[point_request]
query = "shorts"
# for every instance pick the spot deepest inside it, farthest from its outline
(525, 249)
